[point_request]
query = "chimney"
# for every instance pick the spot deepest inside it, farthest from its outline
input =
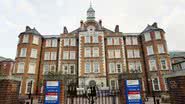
(155, 25)
(81, 23)
(100, 23)
(65, 30)
(28, 28)
(117, 28)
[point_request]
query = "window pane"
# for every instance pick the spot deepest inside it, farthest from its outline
(116, 41)
(25, 39)
(48, 43)
(72, 55)
(65, 69)
(47, 56)
(20, 68)
(119, 67)
(87, 52)
(130, 54)
(163, 64)
(73, 42)
(136, 53)
(128, 40)
(87, 39)
(87, 67)
(160, 48)
(111, 68)
(53, 55)
(157, 35)
(23, 52)
(117, 54)
(54, 42)
(31, 68)
(134, 41)
(46, 69)
(96, 67)
(150, 50)
(95, 52)
(72, 68)
(147, 36)
(109, 41)
(66, 42)
(35, 40)
(95, 39)
(33, 53)
(65, 55)
(152, 65)
(111, 53)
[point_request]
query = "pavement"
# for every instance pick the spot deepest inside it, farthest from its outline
(150, 101)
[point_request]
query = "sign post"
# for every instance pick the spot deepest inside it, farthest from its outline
(133, 92)
(52, 92)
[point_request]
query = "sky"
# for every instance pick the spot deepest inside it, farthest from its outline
(50, 16)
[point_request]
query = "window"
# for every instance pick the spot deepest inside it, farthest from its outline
(160, 48)
(73, 42)
(135, 67)
(33, 53)
(87, 39)
(155, 83)
(66, 42)
(96, 67)
(72, 68)
(95, 39)
(25, 38)
(134, 41)
(152, 64)
(72, 55)
(109, 41)
(117, 54)
(130, 54)
(118, 67)
(65, 55)
(87, 52)
(52, 68)
(53, 55)
(87, 67)
(31, 68)
(95, 52)
(147, 36)
(65, 69)
(46, 69)
(116, 41)
(35, 40)
(113, 84)
(131, 67)
(20, 68)
(128, 40)
(150, 50)
(163, 64)
(48, 43)
(23, 52)
(54, 42)
(157, 35)
(138, 67)
(47, 56)
(111, 68)
(29, 86)
(136, 53)
(111, 53)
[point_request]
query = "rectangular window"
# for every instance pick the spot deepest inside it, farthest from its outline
(116, 41)
(160, 48)
(136, 54)
(163, 64)
(155, 83)
(118, 67)
(87, 67)
(134, 41)
(52, 68)
(95, 52)
(53, 55)
(65, 55)
(48, 42)
(113, 84)
(131, 67)
(130, 54)
(111, 53)
(138, 67)
(66, 42)
(72, 68)
(73, 42)
(150, 50)
(65, 69)
(87, 52)
(47, 56)
(35, 40)
(25, 39)
(109, 41)
(31, 68)
(23, 52)
(128, 40)
(45, 69)
(87, 39)
(111, 68)
(117, 54)
(33, 53)
(96, 67)
(157, 35)
(54, 42)
(72, 55)
(29, 86)
(20, 68)
(152, 64)
(95, 39)
(147, 36)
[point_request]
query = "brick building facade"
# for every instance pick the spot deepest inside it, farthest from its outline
(94, 55)
(6, 66)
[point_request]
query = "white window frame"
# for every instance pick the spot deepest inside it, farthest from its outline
(136, 53)
(109, 41)
(72, 55)
(111, 53)
(32, 68)
(87, 52)
(130, 53)
(95, 39)
(23, 52)
(150, 50)
(86, 67)
(54, 42)
(65, 55)
(53, 55)
(33, 53)
(128, 41)
(27, 81)
(65, 69)
(160, 48)
(134, 40)
(87, 39)
(50, 68)
(45, 72)
(20, 69)
(95, 52)
(47, 56)
(163, 59)
(48, 43)
(94, 67)
(154, 85)
(117, 53)
(157, 35)
(152, 64)
(35, 40)
(112, 68)
(25, 39)
(120, 67)
(147, 36)
(66, 42)
(70, 68)
(73, 42)
(116, 41)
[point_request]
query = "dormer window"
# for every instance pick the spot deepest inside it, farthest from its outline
(91, 29)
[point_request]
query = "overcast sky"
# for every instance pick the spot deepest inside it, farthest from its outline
(49, 17)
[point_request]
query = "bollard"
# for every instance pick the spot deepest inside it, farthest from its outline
(158, 102)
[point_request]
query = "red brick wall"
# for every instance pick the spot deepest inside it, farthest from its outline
(9, 91)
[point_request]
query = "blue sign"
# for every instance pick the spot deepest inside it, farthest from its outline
(133, 92)
(52, 92)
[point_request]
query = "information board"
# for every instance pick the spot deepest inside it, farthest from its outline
(133, 92)
(52, 92)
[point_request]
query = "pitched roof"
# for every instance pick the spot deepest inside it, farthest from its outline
(31, 31)
(51, 36)
(151, 28)
(5, 59)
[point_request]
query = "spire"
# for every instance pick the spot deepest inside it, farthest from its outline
(90, 12)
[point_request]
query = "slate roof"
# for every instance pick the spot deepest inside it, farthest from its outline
(31, 31)
(5, 59)
(177, 54)
(152, 27)
(50, 36)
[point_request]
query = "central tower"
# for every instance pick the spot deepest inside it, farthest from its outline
(90, 13)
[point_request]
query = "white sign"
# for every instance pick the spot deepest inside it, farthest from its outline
(134, 96)
(52, 83)
(51, 97)
(132, 82)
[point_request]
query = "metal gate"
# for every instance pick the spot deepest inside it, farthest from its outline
(92, 95)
